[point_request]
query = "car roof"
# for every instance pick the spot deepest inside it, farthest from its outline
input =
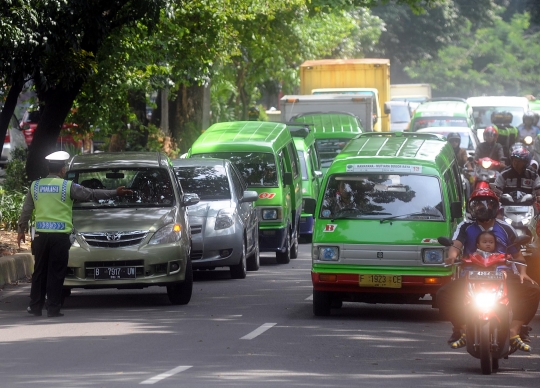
(121, 160)
(261, 136)
(407, 148)
(331, 123)
(199, 162)
(498, 101)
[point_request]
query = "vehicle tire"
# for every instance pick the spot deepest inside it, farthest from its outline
(285, 257)
(307, 238)
(322, 303)
(486, 357)
(495, 364)
(238, 271)
(180, 294)
(254, 261)
(294, 246)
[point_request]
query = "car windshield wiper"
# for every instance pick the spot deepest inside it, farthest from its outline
(409, 215)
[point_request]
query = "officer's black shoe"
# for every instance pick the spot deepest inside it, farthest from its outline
(456, 335)
(54, 315)
(35, 313)
(524, 333)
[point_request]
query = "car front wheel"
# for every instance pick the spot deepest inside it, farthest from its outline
(180, 294)
(238, 271)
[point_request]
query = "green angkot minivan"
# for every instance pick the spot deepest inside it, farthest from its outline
(265, 154)
(332, 132)
(384, 201)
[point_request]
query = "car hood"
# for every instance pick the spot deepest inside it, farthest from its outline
(91, 220)
(209, 208)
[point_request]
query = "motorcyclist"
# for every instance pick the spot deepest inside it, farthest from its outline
(523, 292)
(527, 128)
(502, 122)
(490, 148)
(454, 138)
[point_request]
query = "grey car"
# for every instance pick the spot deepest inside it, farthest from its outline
(224, 224)
(135, 241)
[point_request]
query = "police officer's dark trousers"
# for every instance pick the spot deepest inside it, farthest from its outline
(51, 253)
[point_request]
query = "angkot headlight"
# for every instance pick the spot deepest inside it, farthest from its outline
(167, 235)
(271, 213)
(328, 253)
(433, 256)
(225, 219)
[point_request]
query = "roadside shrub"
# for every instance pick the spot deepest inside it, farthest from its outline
(16, 179)
(10, 208)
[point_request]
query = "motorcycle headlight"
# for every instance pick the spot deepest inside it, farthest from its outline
(224, 219)
(167, 235)
(433, 256)
(486, 164)
(528, 140)
(485, 300)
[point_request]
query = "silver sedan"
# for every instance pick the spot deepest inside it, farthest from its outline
(224, 225)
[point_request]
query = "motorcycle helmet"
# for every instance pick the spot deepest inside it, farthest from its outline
(519, 151)
(491, 131)
(528, 115)
(483, 204)
(453, 136)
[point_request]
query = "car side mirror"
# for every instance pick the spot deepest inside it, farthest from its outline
(387, 108)
(318, 174)
(308, 205)
(190, 199)
(287, 178)
(250, 196)
(456, 210)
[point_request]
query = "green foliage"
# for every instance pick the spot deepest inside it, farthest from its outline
(503, 59)
(11, 206)
(16, 179)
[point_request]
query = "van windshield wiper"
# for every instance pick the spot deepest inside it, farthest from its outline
(409, 215)
(353, 213)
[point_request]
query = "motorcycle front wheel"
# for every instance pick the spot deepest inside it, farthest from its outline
(486, 357)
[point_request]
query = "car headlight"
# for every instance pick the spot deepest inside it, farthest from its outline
(168, 234)
(271, 214)
(224, 219)
(328, 253)
(433, 256)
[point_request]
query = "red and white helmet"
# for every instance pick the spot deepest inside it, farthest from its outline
(491, 131)
(483, 204)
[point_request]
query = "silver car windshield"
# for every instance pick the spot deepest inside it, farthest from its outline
(152, 187)
(257, 168)
(209, 183)
(380, 196)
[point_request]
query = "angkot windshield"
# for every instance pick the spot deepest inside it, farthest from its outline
(439, 122)
(328, 149)
(381, 196)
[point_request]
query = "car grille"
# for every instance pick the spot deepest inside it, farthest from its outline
(114, 239)
(196, 229)
(196, 255)
(91, 265)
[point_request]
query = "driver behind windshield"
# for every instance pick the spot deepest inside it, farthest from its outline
(343, 199)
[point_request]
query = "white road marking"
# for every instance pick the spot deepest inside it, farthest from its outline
(310, 297)
(162, 376)
(258, 331)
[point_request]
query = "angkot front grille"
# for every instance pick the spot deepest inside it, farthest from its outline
(114, 239)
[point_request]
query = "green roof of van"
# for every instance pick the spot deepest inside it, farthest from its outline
(327, 125)
(261, 136)
(394, 148)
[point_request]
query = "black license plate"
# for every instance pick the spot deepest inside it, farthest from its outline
(115, 273)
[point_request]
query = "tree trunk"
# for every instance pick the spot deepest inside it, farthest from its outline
(185, 115)
(9, 107)
(57, 103)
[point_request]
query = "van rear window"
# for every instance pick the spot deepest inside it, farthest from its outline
(379, 196)
(439, 122)
(328, 149)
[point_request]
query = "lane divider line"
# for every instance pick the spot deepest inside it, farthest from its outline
(162, 376)
(258, 331)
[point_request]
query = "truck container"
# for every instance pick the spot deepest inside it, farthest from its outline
(349, 74)
(416, 93)
(362, 107)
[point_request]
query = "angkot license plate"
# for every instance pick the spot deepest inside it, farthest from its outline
(383, 281)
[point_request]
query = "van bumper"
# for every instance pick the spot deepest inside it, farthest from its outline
(272, 240)
(306, 224)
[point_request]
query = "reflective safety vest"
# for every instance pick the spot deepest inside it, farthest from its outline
(507, 137)
(53, 204)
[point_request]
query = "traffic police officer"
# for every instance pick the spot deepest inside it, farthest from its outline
(52, 198)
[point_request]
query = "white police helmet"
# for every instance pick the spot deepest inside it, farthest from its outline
(58, 156)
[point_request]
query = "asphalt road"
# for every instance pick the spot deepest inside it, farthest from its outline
(256, 332)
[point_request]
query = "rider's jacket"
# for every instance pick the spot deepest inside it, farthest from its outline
(467, 232)
(510, 180)
(489, 150)
(524, 132)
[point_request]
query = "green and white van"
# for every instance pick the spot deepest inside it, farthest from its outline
(311, 176)
(384, 201)
(265, 154)
(443, 112)
(332, 132)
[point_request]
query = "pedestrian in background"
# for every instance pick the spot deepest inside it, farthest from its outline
(52, 198)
